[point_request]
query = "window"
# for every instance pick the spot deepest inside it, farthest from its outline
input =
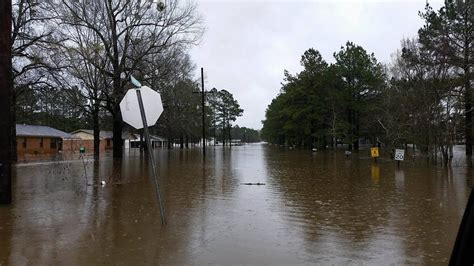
(53, 144)
(108, 142)
(24, 143)
(41, 143)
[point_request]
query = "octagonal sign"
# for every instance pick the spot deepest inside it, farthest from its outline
(130, 108)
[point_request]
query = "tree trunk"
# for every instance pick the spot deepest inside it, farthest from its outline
(467, 91)
(230, 136)
(142, 141)
(117, 131)
(357, 130)
(351, 122)
(214, 134)
(116, 114)
(6, 90)
(14, 155)
(181, 142)
(95, 126)
(444, 154)
(468, 121)
(451, 154)
(223, 135)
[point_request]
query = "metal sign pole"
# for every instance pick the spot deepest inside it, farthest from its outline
(150, 156)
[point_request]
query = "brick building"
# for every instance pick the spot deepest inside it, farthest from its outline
(39, 142)
(86, 138)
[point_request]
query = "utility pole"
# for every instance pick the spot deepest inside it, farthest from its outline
(6, 89)
(203, 112)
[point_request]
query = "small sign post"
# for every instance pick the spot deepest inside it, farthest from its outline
(374, 152)
(82, 151)
(399, 156)
(141, 108)
(347, 153)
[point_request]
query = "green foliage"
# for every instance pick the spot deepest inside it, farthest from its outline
(362, 79)
(422, 103)
(40, 106)
(326, 103)
(224, 110)
(447, 33)
(181, 116)
(246, 135)
(447, 38)
(416, 99)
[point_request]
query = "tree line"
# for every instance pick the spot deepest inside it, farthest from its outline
(423, 97)
(73, 59)
(181, 118)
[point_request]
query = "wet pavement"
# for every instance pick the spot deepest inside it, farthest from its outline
(314, 208)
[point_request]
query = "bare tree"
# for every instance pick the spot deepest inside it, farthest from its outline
(83, 63)
(32, 58)
(129, 32)
(421, 105)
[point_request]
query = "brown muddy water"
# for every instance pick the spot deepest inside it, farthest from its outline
(314, 208)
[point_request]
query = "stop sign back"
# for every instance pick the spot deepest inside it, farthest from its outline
(130, 108)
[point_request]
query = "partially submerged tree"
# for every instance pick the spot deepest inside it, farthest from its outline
(33, 58)
(83, 71)
(180, 119)
(246, 135)
(299, 115)
(447, 34)
(224, 111)
(323, 104)
(421, 105)
(128, 32)
(362, 79)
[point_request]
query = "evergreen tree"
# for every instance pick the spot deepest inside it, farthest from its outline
(362, 78)
(447, 33)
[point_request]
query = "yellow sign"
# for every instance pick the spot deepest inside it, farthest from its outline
(374, 152)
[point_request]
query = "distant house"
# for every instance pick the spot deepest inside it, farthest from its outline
(39, 141)
(236, 142)
(156, 141)
(106, 138)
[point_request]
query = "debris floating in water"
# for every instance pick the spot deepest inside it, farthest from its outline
(253, 184)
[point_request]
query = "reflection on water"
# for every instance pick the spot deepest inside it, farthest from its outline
(375, 173)
(315, 207)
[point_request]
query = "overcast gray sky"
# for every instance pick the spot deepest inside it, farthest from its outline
(248, 44)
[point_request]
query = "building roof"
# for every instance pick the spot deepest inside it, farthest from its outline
(152, 137)
(40, 131)
(158, 138)
(104, 134)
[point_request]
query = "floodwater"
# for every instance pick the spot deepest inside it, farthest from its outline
(314, 208)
